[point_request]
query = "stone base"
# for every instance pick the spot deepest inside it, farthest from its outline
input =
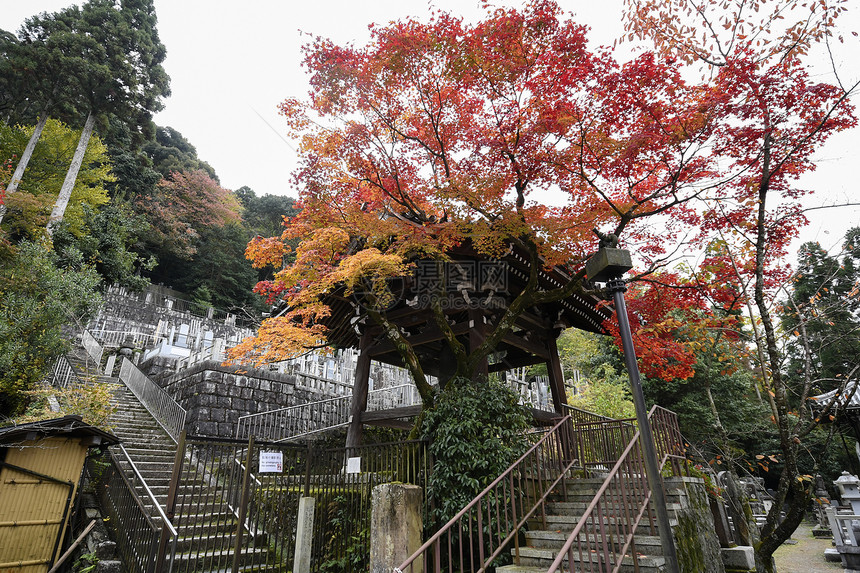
(741, 558)
(850, 556)
(822, 532)
(832, 555)
(396, 529)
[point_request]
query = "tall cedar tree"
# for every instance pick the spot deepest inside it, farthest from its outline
(776, 116)
(97, 61)
(822, 315)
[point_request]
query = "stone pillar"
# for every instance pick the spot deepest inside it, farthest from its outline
(304, 536)
(395, 527)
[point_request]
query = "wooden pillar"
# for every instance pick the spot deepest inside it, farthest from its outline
(359, 392)
(477, 335)
(556, 377)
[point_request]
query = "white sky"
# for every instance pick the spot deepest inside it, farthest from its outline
(230, 61)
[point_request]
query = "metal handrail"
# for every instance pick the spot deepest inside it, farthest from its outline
(139, 537)
(553, 447)
(63, 374)
(145, 487)
(92, 346)
(166, 411)
(581, 416)
(115, 338)
(168, 531)
(281, 424)
(633, 498)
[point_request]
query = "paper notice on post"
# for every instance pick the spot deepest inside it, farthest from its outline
(271, 462)
(353, 465)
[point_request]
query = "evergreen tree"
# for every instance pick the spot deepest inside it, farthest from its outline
(96, 61)
(822, 314)
(123, 76)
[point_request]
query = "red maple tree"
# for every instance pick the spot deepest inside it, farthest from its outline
(774, 116)
(439, 133)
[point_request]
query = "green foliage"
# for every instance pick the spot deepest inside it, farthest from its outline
(186, 206)
(346, 546)
(105, 243)
(219, 270)
(580, 351)
(171, 152)
(264, 216)
(86, 563)
(102, 56)
(30, 206)
(90, 401)
(36, 300)
(476, 431)
(822, 314)
(607, 393)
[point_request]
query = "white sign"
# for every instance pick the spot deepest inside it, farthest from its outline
(271, 462)
(353, 465)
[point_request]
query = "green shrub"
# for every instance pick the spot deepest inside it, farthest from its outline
(476, 431)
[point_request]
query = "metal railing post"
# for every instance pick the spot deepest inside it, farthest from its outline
(170, 505)
(655, 482)
(243, 506)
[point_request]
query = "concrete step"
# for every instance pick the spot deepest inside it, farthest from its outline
(533, 557)
(545, 539)
(193, 560)
(608, 507)
(568, 522)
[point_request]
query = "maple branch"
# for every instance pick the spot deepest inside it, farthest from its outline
(818, 127)
(805, 209)
(407, 353)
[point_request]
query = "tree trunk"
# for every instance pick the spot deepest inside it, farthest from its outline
(71, 175)
(25, 159)
(791, 492)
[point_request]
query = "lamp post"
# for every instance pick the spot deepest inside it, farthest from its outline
(607, 266)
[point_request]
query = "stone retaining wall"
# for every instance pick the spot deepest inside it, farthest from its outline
(215, 396)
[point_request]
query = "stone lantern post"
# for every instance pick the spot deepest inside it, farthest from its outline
(849, 491)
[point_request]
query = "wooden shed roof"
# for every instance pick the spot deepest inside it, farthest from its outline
(71, 425)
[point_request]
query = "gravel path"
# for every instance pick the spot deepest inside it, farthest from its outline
(807, 556)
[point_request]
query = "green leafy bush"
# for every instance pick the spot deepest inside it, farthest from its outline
(476, 431)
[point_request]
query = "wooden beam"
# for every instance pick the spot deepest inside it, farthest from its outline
(544, 418)
(556, 378)
(477, 335)
(391, 413)
(359, 392)
(534, 348)
(432, 334)
(516, 362)
(395, 424)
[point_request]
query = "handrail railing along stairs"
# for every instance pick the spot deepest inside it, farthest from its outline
(622, 501)
(604, 533)
(166, 411)
(473, 539)
(310, 418)
(149, 546)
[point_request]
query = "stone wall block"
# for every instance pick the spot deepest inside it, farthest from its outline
(695, 539)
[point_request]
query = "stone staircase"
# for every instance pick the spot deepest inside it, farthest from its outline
(150, 448)
(206, 528)
(543, 543)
